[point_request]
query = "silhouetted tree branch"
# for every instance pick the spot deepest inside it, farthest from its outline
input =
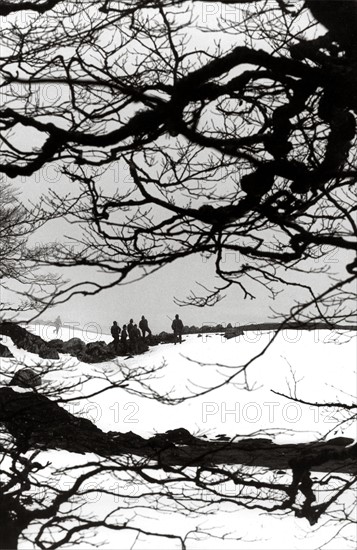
(246, 151)
(246, 147)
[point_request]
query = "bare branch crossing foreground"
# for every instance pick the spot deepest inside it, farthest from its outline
(37, 422)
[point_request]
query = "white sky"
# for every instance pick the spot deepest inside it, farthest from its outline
(154, 296)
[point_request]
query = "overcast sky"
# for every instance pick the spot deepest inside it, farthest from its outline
(153, 296)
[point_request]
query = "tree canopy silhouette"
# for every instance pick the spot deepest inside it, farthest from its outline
(244, 146)
(181, 128)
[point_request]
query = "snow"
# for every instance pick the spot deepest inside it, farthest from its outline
(318, 365)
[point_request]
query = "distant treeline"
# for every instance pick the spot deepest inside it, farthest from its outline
(264, 326)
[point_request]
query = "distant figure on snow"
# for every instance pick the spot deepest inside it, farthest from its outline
(144, 327)
(115, 330)
(177, 327)
(123, 338)
(130, 328)
(134, 338)
(58, 324)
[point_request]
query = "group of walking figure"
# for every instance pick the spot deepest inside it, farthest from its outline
(128, 337)
(132, 333)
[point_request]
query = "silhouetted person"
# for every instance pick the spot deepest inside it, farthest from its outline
(115, 330)
(123, 338)
(144, 327)
(177, 327)
(58, 324)
(130, 328)
(135, 337)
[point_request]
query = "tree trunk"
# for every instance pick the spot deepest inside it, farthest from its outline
(326, 456)
(9, 533)
(37, 422)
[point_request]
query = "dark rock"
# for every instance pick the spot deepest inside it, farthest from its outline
(166, 338)
(233, 332)
(153, 340)
(4, 351)
(23, 339)
(74, 346)
(46, 352)
(97, 352)
(56, 344)
(142, 347)
(26, 378)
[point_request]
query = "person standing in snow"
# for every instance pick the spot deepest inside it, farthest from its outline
(130, 328)
(58, 324)
(144, 327)
(177, 327)
(134, 338)
(115, 331)
(123, 339)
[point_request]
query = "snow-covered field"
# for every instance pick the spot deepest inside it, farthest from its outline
(316, 366)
